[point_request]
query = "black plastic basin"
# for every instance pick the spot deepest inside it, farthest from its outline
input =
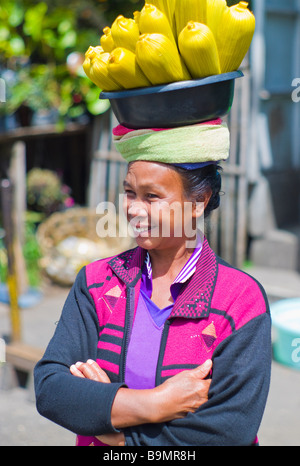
(177, 104)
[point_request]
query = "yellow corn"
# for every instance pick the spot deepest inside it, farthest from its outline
(125, 32)
(189, 10)
(136, 16)
(215, 11)
(198, 48)
(152, 20)
(95, 67)
(168, 8)
(89, 54)
(123, 68)
(159, 59)
(234, 36)
(92, 51)
(107, 41)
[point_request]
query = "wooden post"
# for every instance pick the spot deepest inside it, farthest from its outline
(17, 175)
(12, 283)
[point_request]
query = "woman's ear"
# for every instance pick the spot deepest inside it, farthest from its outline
(199, 207)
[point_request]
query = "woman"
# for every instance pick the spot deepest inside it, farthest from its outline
(166, 344)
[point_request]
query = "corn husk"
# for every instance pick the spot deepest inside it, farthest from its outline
(89, 54)
(136, 16)
(198, 48)
(123, 68)
(125, 32)
(189, 10)
(234, 36)
(152, 20)
(107, 41)
(96, 69)
(92, 51)
(168, 8)
(215, 11)
(159, 59)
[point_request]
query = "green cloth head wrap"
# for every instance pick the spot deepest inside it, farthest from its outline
(205, 142)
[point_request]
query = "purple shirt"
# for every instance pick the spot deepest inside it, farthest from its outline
(144, 345)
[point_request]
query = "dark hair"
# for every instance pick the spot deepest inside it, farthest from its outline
(197, 183)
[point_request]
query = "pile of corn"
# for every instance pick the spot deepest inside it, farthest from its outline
(169, 41)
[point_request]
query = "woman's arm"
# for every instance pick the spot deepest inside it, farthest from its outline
(64, 399)
(184, 393)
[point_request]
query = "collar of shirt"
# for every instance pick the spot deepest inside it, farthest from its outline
(186, 272)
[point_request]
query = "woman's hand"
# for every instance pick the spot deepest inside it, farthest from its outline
(113, 440)
(89, 370)
(183, 393)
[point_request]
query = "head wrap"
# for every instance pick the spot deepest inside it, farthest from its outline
(189, 146)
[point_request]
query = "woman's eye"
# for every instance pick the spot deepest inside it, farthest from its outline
(128, 192)
(152, 196)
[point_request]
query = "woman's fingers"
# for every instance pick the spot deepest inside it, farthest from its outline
(204, 370)
(75, 371)
(89, 370)
(114, 440)
(184, 392)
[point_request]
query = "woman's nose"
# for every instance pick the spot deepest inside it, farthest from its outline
(137, 209)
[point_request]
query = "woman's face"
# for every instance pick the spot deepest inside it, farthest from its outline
(156, 206)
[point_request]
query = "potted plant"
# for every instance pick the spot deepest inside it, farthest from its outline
(46, 193)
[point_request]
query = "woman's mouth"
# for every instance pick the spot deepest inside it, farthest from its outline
(142, 230)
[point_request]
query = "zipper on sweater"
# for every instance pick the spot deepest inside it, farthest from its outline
(163, 343)
(128, 327)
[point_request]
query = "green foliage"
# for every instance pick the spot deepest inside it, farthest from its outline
(36, 40)
(31, 252)
(32, 255)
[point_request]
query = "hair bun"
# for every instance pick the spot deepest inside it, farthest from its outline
(197, 183)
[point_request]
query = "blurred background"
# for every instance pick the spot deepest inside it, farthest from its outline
(57, 164)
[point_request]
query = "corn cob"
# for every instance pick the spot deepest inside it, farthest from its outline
(106, 40)
(159, 59)
(168, 8)
(92, 51)
(125, 32)
(89, 54)
(215, 11)
(234, 36)
(95, 67)
(123, 68)
(189, 10)
(136, 16)
(198, 48)
(152, 20)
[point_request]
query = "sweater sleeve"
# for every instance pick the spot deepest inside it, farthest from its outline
(80, 405)
(237, 396)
